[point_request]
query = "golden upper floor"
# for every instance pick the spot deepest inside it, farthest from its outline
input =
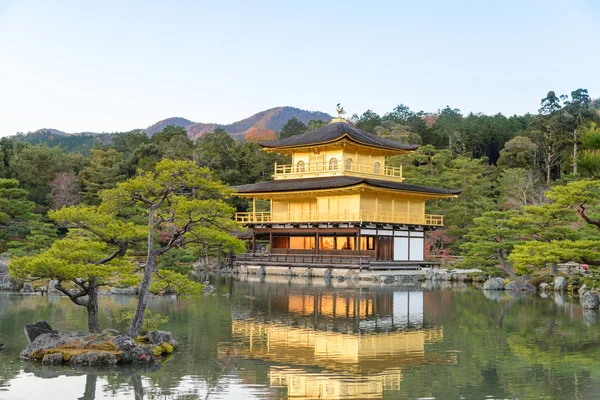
(338, 149)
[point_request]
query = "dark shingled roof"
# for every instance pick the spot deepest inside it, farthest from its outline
(336, 130)
(333, 182)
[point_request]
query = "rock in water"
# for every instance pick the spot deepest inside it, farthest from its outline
(543, 286)
(208, 289)
(129, 291)
(590, 301)
(159, 337)
(93, 358)
(583, 290)
(1, 346)
(28, 288)
(52, 287)
(32, 331)
(560, 283)
(520, 286)
(494, 284)
(52, 359)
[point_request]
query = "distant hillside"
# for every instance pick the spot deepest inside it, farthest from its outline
(71, 143)
(273, 119)
(160, 125)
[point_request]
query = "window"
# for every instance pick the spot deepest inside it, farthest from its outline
(300, 166)
(333, 164)
(302, 242)
(367, 243)
(377, 168)
(348, 164)
(345, 243)
(326, 243)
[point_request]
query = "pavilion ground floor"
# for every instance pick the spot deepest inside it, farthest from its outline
(342, 245)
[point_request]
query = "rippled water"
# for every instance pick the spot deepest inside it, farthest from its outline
(300, 339)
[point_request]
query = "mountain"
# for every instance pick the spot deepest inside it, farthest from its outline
(160, 125)
(273, 119)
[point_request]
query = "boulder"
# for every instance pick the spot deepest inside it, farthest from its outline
(543, 286)
(52, 359)
(386, 279)
(208, 289)
(327, 274)
(1, 346)
(590, 301)
(340, 279)
(32, 331)
(560, 284)
(124, 343)
(129, 291)
(494, 284)
(94, 358)
(583, 290)
(429, 275)
(52, 340)
(520, 286)
(52, 287)
(307, 273)
(27, 288)
(159, 337)
(3, 268)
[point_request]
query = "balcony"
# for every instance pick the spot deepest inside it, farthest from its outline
(339, 216)
(338, 167)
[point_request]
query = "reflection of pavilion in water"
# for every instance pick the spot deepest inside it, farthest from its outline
(335, 344)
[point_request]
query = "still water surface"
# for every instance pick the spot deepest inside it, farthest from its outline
(279, 339)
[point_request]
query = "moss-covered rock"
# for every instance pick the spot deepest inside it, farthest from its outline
(106, 348)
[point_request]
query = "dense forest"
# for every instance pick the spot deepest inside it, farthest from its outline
(529, 183)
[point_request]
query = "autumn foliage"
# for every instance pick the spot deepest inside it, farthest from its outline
(258, 133)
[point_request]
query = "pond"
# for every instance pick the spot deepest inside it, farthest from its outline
(299, 338)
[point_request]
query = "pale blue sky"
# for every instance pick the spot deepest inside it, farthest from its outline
(110, 66)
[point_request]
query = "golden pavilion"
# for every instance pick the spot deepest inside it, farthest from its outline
(338, 200)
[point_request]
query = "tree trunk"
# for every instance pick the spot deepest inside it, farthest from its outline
(575, 152)
(507, 268)
(138, 318)
(92, 308)
(548, 168)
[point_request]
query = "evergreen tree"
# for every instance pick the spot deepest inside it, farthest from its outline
(292, 128)
(104, 171)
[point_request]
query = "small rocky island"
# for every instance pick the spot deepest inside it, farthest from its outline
(51, 347)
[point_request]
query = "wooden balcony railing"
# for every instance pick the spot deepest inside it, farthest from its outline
(340, 216)
(339, 167)
(315, 259)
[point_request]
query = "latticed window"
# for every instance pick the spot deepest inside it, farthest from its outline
(348, 164)
(377, 168)
(300, 166)
(333, 164)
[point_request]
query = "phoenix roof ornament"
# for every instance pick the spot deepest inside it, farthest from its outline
(340, 110)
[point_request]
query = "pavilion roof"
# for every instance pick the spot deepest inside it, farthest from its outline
(336, 182)
(336, 131)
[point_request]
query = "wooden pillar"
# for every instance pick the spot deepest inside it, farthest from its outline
(359, 251)
(317, 242)
(271, 241)
(253, 242)
(376, 240)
